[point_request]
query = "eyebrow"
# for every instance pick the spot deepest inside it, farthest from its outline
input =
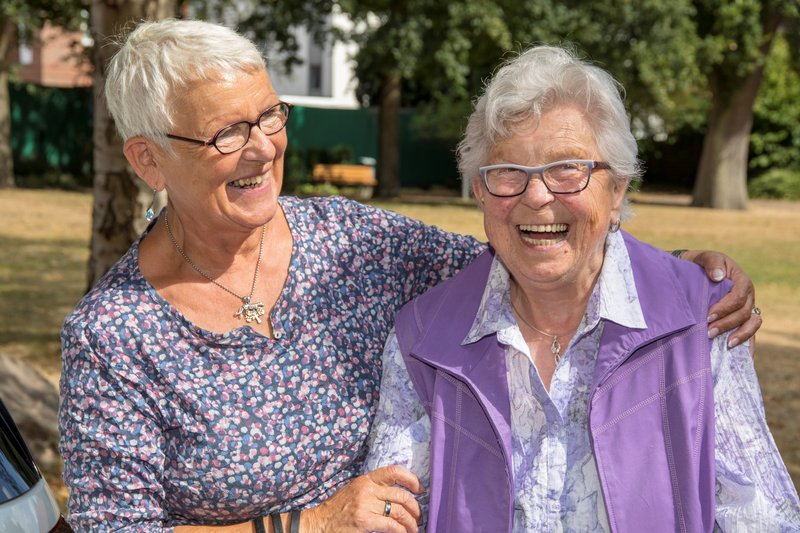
(231, 122)
(561, 154)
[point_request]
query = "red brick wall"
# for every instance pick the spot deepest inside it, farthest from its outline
(57, 61)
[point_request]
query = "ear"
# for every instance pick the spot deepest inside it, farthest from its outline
(478, 191)
(142, 156)
(618, 190)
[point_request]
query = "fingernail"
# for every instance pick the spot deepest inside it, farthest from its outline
(713, 332)
(717, 274)
(712, 318)
(732, 342)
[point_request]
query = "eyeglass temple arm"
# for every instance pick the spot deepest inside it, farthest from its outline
(187, 139)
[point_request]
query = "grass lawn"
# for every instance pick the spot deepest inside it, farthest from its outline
(44, 241)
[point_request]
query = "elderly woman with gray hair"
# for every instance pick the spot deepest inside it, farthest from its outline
(225, 371)
(565, 380)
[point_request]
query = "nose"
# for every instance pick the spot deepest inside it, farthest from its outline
(260, 144)
(537, 194)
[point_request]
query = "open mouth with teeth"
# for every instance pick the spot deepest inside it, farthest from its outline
(247, 183)
(543, 234)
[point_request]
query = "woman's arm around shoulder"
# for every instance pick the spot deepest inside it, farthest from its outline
(736, 310)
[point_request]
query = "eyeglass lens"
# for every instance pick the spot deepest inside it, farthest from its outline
(236, 135)
(562, 177)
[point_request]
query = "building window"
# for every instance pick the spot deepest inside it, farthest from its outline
(24, 51)
(315, 80)
(25, 54)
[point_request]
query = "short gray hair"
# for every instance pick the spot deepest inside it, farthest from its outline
(532, 83)
(159, 57)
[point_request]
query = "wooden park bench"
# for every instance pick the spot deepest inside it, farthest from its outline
(357, 181)
(343, 175)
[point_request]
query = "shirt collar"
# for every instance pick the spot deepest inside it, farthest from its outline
(614, 297)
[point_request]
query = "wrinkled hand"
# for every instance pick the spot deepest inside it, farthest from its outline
(735, 310)
(358, 507)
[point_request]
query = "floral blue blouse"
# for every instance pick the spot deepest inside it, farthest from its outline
(164, 423)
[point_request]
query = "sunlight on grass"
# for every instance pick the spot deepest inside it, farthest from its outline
(43, 252)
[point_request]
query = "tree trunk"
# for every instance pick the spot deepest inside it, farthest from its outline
(120, 197)
(6, 157)
(6, 160)
(389, 145)
(721, 180)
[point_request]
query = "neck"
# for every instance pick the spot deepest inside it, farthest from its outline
(550, 312)
(218, 252)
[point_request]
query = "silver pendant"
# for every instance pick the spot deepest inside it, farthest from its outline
(555, 348)
(250, 312)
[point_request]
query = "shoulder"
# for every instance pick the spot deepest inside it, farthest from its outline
(643, 255)
(464, 288)
(660, 271)
(117, 298)
(336, 209)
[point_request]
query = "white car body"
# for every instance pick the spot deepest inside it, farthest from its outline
(35, 511)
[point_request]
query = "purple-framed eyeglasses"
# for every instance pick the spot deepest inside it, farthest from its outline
(234, 137)
(560, 177)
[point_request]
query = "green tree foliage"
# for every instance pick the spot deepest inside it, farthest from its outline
(22, 18)
(689, 64)
(735, 40)
(421, 51)
(775, 141)
(693, 64)
(410, 52)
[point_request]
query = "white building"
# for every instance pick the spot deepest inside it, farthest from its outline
(326, 77)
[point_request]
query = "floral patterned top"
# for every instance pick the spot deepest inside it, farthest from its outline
(164, 423)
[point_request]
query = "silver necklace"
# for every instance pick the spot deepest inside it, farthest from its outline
(555, 347)
(247, 311)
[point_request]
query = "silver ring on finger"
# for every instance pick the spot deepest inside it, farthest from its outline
(756, 311)
(387, 508)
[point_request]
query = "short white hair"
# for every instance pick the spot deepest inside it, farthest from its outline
(157, 58)
(536, 81)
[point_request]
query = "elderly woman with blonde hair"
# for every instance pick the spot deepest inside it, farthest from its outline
(565, 380)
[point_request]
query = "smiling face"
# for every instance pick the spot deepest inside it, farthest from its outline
(211, 191)
(546, 239)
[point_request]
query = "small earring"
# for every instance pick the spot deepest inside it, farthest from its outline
(614, 226)
(149, 214)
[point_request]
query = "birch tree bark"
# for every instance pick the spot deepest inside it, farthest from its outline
(120, 197)
(6, 162)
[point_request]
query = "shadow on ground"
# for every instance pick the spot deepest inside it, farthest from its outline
(33, 402)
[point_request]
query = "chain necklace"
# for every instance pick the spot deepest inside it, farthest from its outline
(555, 347)
(247, 311)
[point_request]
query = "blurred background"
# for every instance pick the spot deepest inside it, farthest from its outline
(382, 88)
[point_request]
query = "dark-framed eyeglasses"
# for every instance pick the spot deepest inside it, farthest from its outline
(235, 136)
(560, 177)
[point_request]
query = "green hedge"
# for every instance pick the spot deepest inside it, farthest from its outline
(776, 183)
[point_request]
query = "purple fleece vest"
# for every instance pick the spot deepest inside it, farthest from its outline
(651, 416)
